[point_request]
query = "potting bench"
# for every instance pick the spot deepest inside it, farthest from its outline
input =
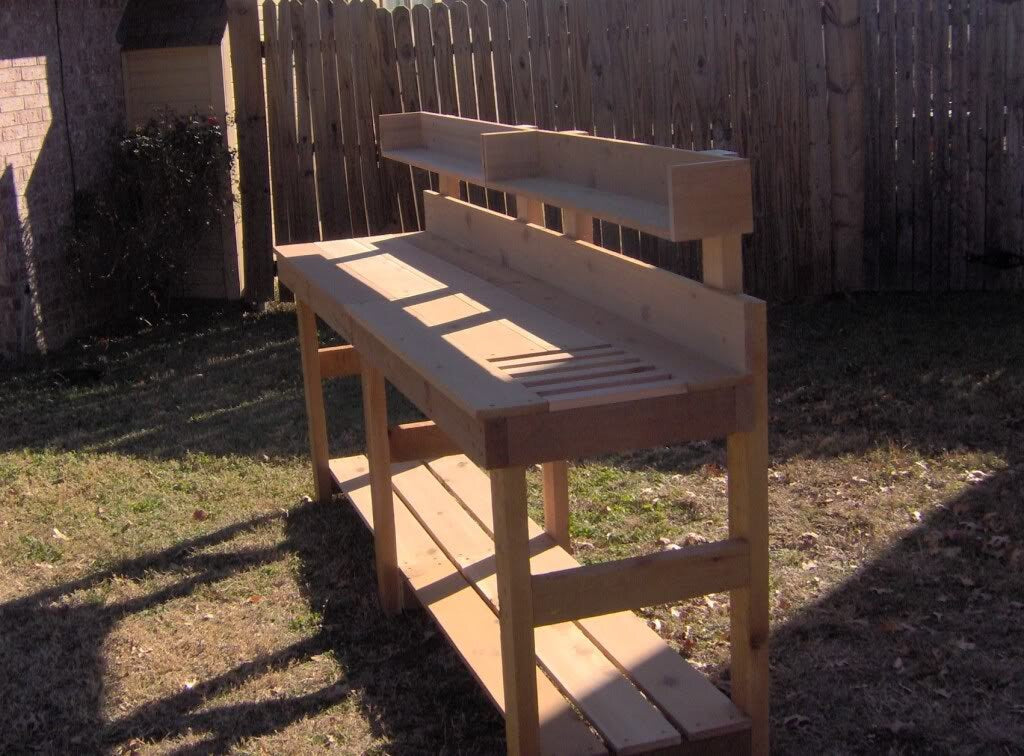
(528, 346)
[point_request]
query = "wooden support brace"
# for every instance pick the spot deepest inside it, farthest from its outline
(512, 570)
(375, 414)
(448, 185)
(315, 415)
(722, 259)
(338, 361)
(578, 225)
(419, 441)
(530, 210)
(607, 587)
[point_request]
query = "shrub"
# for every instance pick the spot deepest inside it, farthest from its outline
(167, 187)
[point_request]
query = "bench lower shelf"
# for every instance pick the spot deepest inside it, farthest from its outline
(631, 687)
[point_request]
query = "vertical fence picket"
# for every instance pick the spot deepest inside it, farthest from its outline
(406, 54)
(362, 29)
(253, 162)
(1015, 140)
(922, 143)
(425, 58)
(277, 124)
(388, 99)
(579, 57)
(504, 90)
(872, 165)
(960, 145)
(519, 48)
(349, 116)
(559, 62)
(307, 226)
(462, 50)
(904, 145)
(886, 186)
(540, 72)
(942, 115)
(448, 102)
(815, 271)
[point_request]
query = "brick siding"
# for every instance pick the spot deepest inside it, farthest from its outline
(60, 97)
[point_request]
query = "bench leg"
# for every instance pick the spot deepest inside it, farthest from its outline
(512, 564)
(378, 453)
(748, 519)
(309, 344)
(556, 502)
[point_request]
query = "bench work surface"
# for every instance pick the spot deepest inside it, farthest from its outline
(637, 693)
(470, 340)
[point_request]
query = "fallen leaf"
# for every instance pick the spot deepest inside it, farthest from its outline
(796, 720)
(965, 645)
(199, 515)
(60, 536)
(808, 540)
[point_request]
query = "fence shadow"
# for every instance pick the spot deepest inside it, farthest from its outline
(919, 651)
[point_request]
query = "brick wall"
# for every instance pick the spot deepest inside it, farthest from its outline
(60, 97)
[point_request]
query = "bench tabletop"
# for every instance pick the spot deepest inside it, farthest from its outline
(494, 341)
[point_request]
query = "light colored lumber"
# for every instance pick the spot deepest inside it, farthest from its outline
(515, 612)
(656, 299)
(448, 184)
(578, 225)
(556, 502)
(420, 440)
(436, 142)
(682, 693)
(375, 414)
(464, 617)
(591, 681)
(529, 210)
(675, 194)
(313, 389)
(338, 361)
(747, 462)
(722, 258)
(648, 580)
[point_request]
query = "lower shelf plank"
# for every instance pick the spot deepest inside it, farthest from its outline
(462, 615)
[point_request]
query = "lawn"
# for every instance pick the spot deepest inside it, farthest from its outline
(166, 587)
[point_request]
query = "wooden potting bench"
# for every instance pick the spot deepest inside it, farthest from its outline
(527, 346)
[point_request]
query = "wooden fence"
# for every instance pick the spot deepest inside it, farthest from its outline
(886, 135)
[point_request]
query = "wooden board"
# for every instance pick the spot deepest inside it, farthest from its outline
(681, 693)
(675, 194)
(626, 721)
(253, 162)
(463, 616)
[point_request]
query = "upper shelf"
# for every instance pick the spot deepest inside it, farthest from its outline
(679, 195)
(440, 143)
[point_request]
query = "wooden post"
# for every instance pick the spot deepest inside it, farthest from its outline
(722, 259)
(747, 455)
(253, 159)
(315, 416)
(378, 452)
(556, 502)
(515, 602)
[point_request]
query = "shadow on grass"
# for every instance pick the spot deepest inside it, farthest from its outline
(51, 653)
(919, 649)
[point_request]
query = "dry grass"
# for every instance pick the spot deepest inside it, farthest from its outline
(165, 588)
